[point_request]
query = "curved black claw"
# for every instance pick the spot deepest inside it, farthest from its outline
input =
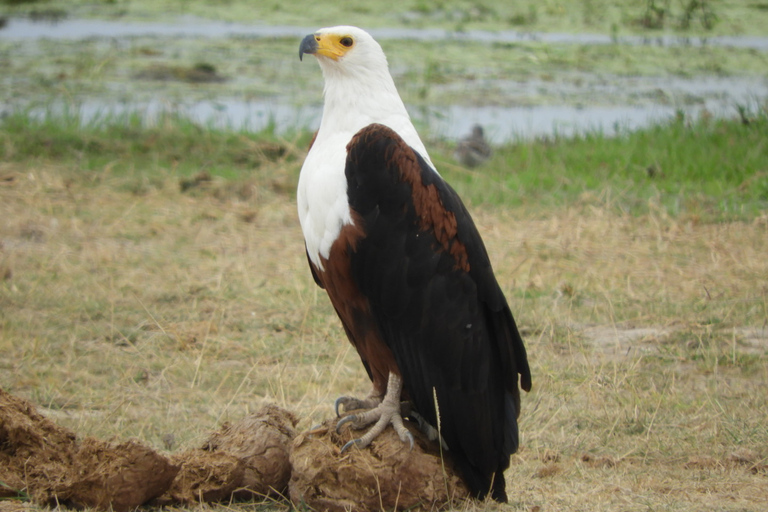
(351, 403)
(352, 443)
(411, 440)
(346, 419)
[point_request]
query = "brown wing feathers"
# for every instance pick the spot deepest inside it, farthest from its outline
(421, 266)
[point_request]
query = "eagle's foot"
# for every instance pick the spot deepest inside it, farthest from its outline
(385, 413)
(351, 403)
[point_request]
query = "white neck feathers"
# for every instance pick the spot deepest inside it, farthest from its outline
(358, 91)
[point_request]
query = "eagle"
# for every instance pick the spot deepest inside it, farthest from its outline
(407, 272)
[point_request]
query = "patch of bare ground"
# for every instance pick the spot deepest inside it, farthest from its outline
(625, 341)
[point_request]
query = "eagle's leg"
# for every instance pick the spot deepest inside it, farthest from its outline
(385, 413)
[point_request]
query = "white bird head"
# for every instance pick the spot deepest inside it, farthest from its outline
(345, 50)
(359, 89)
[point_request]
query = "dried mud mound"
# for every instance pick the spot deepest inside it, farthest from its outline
(385, 476)
(241, 460)
(260, 455)
(49, 464)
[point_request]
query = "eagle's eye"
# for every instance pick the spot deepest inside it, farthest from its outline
(346, 41)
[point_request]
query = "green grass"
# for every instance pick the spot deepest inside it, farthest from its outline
(127, 143)
(710, 168)
(716, 169)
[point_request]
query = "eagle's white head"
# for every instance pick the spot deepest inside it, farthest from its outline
(358, 91)
(347, 51)
(358, 87)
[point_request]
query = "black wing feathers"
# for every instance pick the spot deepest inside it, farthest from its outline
(426, 273)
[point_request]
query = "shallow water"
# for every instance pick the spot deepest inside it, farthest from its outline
(573, 107)
(502, 123)
(450, 122)
(568, 103)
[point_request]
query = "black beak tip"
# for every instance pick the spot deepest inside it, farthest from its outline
(308, 45)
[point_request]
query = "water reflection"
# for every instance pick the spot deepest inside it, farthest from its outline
(502, 124)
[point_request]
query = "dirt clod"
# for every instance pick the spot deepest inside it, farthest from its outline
(118, 476)
(46, 462)
(241, 460)
(263, 442)
(387, 475)
(204, 477)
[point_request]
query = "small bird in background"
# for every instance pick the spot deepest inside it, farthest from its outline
(473, 150)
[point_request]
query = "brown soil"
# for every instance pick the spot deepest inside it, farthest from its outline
(385, 476)
(48, 464)
(241, 460)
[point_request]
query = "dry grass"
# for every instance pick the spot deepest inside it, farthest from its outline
(137, 310)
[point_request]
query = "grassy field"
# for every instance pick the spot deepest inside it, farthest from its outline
(153, 282)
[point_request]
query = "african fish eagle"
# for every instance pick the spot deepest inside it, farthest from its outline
(406, 270)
